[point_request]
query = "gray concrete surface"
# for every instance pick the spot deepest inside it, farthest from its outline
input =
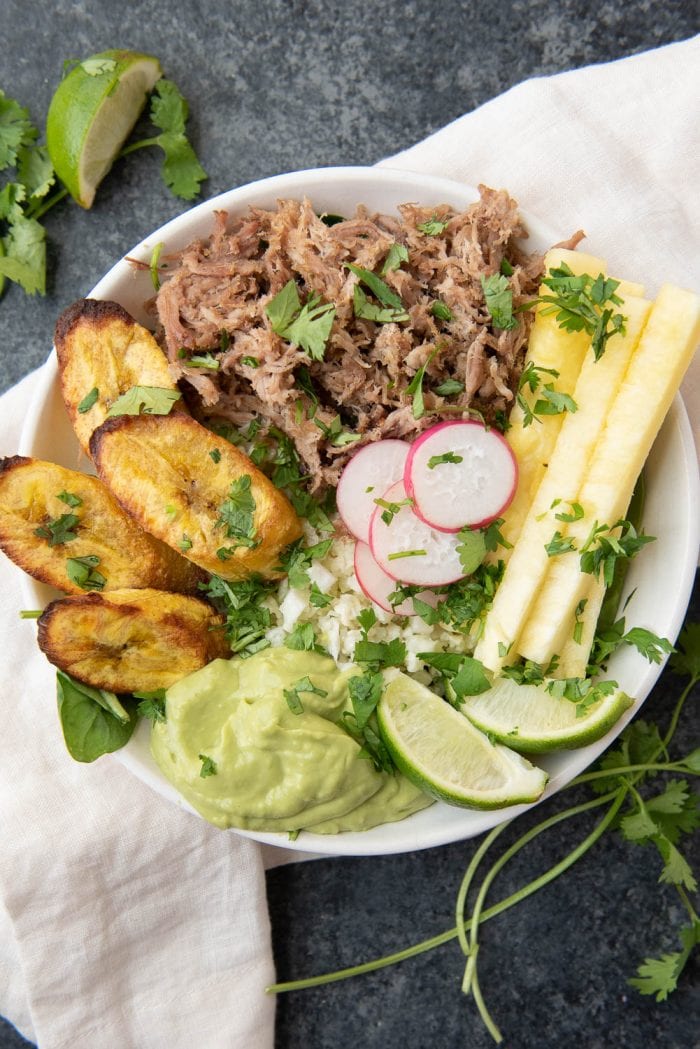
(276, 86)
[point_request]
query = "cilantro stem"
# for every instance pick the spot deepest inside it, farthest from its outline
(466, 883)
(687, 904)
(141, 144)
(491, 912)
(623, 770)
(38, 212)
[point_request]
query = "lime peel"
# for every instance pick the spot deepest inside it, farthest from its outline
(528, 718)
(441, 752)
(92, 113)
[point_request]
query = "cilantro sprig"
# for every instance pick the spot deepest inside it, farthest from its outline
(307, 325)
(580, 302)
(25, 196)
(654, 817)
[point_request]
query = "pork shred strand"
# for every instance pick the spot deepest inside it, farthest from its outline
(213, 298)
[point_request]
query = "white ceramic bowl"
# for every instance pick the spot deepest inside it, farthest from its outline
(662, 575)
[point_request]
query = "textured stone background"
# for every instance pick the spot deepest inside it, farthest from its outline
(276, 86)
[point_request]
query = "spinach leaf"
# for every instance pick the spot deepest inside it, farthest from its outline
(94, 721)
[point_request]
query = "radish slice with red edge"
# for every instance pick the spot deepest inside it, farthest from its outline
(368, 475)
(377, 585)
(460, 473)
(408, 549)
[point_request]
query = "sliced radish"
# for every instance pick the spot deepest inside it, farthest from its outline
(367, 476)
(459, 473)
(377, 585)
(408, 549)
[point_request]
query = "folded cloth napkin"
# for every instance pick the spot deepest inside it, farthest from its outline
(126, 921)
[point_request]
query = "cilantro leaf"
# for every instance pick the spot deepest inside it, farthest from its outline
(88, 400)
(308, 326)
(302, 638)
(236, 512)
(441, 311)
(35, 171)
(181, 171)
(292, 694)
(659, 976)
(559, 544)
(415, 387)
(23, 258)
(59, 530)
(296, 560)
(686, 658)
(365, 692)
(209, 767)
(370, 311)
(577, 302)
(471, 549)
(499, 301)
(152, 705)
(378, 287)
(247, 618)
(143, 400)
(381, 653)
(16, 130)
(449, 387)
(83, 572)
(397, 254)
(446, 457)
(433, 227)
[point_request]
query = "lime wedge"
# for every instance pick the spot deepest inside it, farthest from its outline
(91, 114)
(528, 718)
(441, 752)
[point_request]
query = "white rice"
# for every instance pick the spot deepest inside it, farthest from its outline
(336, 626)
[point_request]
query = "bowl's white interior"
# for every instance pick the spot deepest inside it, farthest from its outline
(662, 576)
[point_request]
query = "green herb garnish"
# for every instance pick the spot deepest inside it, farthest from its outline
(59, 530)
(236, 513)
(88, 400)
(144, 400)
(308, 326)
(83, 572)
(499, 301)
(446, 457)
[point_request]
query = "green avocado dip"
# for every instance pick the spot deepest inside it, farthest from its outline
(234, 748)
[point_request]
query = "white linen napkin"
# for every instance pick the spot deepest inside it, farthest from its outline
(126, 921)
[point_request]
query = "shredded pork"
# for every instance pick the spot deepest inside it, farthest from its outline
(214, 294)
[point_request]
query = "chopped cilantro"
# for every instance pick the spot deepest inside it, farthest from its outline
(302, 638)
(577, 303)
(559, 544)
(449, 388)
(292, 694)
(296, 560)
(415, 387)
(185, 543)
(471, 549)
(250, 362)
(69, 499)
(203, 360)
(236, 513)
(247, 618)
(83, 572)
(152, 705)
(59, 530)
(433, 227)
(446, 457)
(209, 767)
(215, 455)
(602, 551)
(441, 311)
(88, 400)
(144, 400)
(499, 301)
(397, 254)
(308, 326)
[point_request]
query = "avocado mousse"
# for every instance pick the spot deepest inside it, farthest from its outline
(245, 754)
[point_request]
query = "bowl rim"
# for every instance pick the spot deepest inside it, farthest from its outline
(676, 429)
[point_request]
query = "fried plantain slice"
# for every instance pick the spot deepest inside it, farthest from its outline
(131, 640)
(103, 352)
(196, 492)
(77, 517)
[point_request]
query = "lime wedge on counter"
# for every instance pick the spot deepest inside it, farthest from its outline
(441, 752)
(91, 114)
(530, 719)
